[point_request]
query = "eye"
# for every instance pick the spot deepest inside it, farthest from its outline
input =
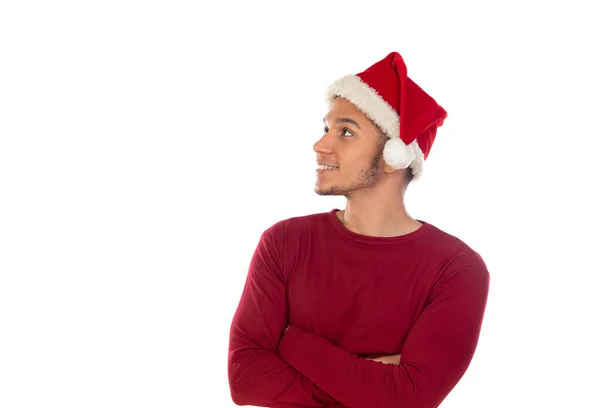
(325, 129)
(347, 133)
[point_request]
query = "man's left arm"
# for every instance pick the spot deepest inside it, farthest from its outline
(435, 355)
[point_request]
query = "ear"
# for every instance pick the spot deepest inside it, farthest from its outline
(389, 169)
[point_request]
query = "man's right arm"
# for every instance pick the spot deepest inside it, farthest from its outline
(257, 376)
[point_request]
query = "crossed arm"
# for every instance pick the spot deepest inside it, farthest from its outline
(391, 359)
(257, 374)
(272, 366)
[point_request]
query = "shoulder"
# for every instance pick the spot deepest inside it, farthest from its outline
(461, 272)
(295, 225)
(286, 238)
(455, 253)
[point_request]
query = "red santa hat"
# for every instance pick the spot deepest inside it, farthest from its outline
(405, 113)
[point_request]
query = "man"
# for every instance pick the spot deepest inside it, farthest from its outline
(365, 307)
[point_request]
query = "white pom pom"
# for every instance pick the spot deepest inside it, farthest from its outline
(397, 154)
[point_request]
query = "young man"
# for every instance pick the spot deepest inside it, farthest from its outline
(365, 307)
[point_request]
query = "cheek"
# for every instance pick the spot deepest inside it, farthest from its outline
(358, 162)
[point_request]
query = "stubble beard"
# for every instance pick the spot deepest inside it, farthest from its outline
(367, 178)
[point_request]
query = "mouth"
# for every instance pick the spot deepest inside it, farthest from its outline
(323, 168)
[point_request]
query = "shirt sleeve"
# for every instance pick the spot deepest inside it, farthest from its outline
(435, 355)
(257, 375)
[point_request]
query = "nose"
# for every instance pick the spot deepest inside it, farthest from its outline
(322, 145)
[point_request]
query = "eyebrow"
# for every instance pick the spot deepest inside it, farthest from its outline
(345, 120)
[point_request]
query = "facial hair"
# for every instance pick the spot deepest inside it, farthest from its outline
(367, 178)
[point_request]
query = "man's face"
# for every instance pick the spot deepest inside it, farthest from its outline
(352, 144)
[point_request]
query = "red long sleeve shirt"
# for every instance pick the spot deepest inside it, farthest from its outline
(347, 296)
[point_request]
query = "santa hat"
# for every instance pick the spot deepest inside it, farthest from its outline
(405, 113)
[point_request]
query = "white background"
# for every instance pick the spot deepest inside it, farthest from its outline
(144, 146)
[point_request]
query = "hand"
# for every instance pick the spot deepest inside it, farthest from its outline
(392, 359)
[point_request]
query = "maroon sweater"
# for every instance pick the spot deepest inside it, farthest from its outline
(347, 296)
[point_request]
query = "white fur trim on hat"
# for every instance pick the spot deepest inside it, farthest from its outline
(417, 164)
(366, 99)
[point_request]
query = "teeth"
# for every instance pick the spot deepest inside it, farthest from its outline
(325, 167)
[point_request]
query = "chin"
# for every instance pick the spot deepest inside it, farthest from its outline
(328, 191)
(320, 190)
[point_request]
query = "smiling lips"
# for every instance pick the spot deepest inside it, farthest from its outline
(324, 168)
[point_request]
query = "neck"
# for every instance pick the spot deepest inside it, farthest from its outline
(377, 213)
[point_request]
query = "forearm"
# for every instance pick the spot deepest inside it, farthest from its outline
(260, 378)
(352, 380)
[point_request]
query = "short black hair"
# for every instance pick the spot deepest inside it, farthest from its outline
(408, 176)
